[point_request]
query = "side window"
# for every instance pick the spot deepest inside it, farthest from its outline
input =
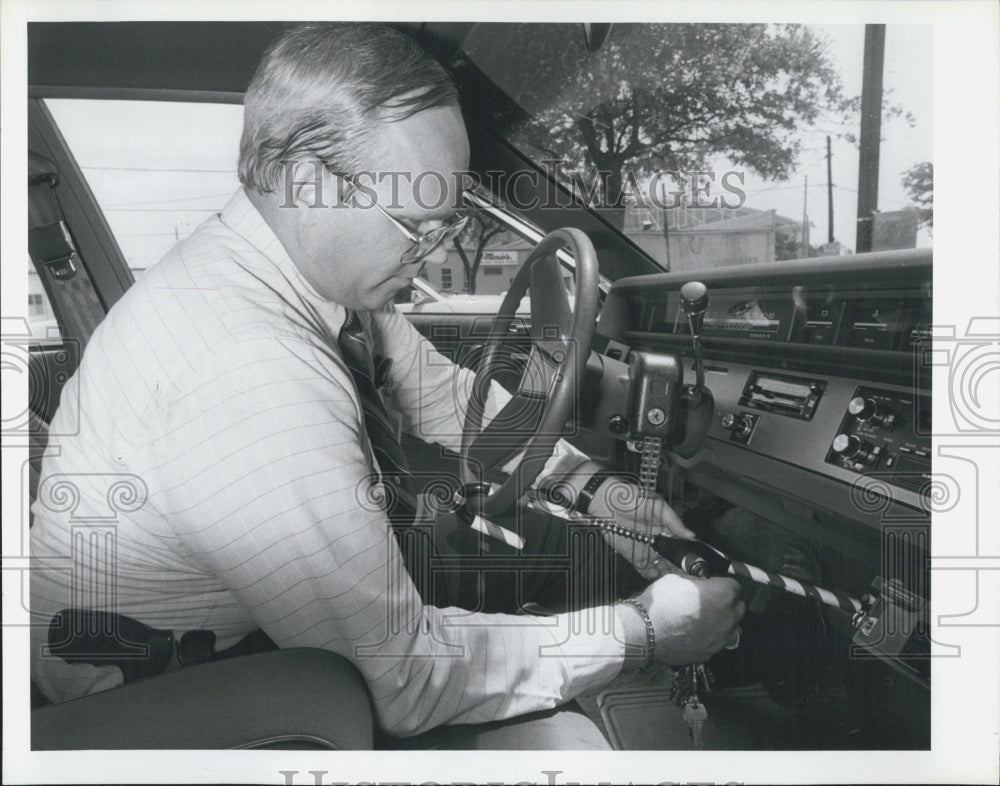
(41, 318)
(166, 168)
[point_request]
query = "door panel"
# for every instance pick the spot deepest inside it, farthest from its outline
(49, 368)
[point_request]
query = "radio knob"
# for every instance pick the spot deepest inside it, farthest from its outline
(846, 446)
(862, 408)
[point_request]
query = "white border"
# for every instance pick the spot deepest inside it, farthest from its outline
(967, 162)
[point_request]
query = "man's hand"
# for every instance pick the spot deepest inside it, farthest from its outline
(631, 507)
(692, 618)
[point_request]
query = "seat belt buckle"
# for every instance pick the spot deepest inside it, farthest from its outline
(52, 246)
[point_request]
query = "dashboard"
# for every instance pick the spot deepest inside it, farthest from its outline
(816, 364)
(822, 398)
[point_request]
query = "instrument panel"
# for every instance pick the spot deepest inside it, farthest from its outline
(815, 368)
(820, 422)
(890, 320)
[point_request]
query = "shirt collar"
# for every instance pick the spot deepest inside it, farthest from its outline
(242, 217)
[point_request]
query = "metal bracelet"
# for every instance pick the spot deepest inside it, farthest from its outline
(650, 631)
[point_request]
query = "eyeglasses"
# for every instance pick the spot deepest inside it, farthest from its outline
(424, 243)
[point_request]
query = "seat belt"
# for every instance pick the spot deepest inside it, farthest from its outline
(70, 290)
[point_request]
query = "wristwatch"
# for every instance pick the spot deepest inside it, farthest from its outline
(586, 495)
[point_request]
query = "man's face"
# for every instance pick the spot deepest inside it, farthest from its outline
(351, 254)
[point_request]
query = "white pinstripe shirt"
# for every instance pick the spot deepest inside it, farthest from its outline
(215, 428)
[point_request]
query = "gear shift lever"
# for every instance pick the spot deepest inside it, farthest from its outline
(697, 402)
(694, 301)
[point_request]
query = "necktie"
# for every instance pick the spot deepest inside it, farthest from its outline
(415, 544)
(378, 425)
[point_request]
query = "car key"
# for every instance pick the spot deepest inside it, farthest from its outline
(684, 693)
(695, 715)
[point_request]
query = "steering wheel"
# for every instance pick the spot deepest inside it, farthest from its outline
(534, 419)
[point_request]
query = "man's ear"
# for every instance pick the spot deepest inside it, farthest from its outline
(308, 185)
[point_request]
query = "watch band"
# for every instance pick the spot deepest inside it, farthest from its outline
(586, 495)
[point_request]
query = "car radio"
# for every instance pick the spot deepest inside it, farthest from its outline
(888, 434)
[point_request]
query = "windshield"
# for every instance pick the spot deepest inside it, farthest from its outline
(719, 144)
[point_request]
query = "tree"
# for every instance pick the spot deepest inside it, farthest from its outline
(918, 181)
(788, 246)
(479, 232)
(660, 97)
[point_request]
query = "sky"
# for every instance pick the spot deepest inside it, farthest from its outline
(908, 81)
(152, 198)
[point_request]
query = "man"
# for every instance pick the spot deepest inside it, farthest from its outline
(220, 387)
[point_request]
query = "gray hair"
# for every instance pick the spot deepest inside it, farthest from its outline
(320, 87)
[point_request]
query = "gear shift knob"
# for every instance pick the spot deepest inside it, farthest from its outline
(694, 301)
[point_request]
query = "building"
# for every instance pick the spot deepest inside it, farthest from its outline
(497, 268)
(698, 238)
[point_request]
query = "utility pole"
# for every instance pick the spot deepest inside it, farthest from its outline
(663, 215)
(805, 218)
(829, 192)
(870, 137)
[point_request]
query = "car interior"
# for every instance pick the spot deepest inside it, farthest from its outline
(787, 400)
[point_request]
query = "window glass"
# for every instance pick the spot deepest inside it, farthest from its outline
(41, 319)
(168, 166)
(173, 164)
(706, 144)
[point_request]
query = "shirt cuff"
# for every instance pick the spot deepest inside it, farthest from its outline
(586, 649)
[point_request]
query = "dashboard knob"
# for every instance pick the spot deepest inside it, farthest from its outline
(846, 446)
(740, 425)
(862, 408)
(617, 424)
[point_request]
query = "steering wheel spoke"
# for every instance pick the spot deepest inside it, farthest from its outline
(551, 315)
(529, 426)
(540, 370)
(507, 434)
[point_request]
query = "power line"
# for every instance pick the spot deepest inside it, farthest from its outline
(152, 169)
(161, 209)
(169, 201)
(149, 234)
